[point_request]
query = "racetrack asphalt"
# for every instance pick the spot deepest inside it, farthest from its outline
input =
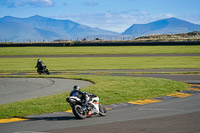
(97, 55)
(166, 124)
(17, 89)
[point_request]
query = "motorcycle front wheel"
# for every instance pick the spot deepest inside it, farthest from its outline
(47, 71)
(102, 110)
(79, 112)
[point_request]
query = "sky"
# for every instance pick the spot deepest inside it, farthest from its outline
(114, 15)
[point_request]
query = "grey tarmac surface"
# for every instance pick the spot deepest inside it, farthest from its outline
(167, 124)
(193, 78)
(139, 70)
(17, 89)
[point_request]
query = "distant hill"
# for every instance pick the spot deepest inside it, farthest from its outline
(38, 28)
(181, 37)
(164, 26)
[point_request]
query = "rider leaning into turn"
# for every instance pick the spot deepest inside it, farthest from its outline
(39, 65)
(80, 94)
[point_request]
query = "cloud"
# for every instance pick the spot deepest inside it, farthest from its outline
(170, 15)
(110, 20)
(12, 3)
(117, 21)
(18, 3)
(41, 3)
(90, 3)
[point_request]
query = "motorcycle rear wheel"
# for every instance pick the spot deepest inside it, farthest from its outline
(79, 112)
(39, 71)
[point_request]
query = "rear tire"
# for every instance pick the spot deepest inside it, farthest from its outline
(39, 72)
(79, 112)
(102, 110)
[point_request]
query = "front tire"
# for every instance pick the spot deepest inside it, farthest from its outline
(102, 110)
(79, 112)
(47, 72)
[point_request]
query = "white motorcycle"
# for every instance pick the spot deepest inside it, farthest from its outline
(94, 108)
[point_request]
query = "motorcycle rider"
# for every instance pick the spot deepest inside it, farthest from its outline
(39, 65)
(80, 94)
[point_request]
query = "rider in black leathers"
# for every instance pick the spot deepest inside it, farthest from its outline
(39, 65)
(80, 94)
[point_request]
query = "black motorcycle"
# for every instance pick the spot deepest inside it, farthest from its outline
(43, 70)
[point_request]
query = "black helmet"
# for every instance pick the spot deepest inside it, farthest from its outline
(76, 87)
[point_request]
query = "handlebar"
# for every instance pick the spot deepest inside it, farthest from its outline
(90, 94)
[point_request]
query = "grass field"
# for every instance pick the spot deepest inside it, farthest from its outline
(28, 64)
(97, 50)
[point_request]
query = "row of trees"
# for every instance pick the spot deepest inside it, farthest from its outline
(106, 38)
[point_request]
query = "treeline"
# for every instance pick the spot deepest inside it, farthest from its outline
(101, 43)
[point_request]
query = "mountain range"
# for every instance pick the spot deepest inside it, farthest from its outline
(164, 26)
(38, 28)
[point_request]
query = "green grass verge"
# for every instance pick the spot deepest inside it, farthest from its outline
(110, 89)
(77, 72)
(98, 50)
(28, 64)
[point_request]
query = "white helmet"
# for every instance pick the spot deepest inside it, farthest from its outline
(76, 87)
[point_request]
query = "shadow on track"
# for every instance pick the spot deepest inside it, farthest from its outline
(56, 118)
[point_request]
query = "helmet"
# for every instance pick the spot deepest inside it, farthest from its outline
(38, 60)
(76, 87)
